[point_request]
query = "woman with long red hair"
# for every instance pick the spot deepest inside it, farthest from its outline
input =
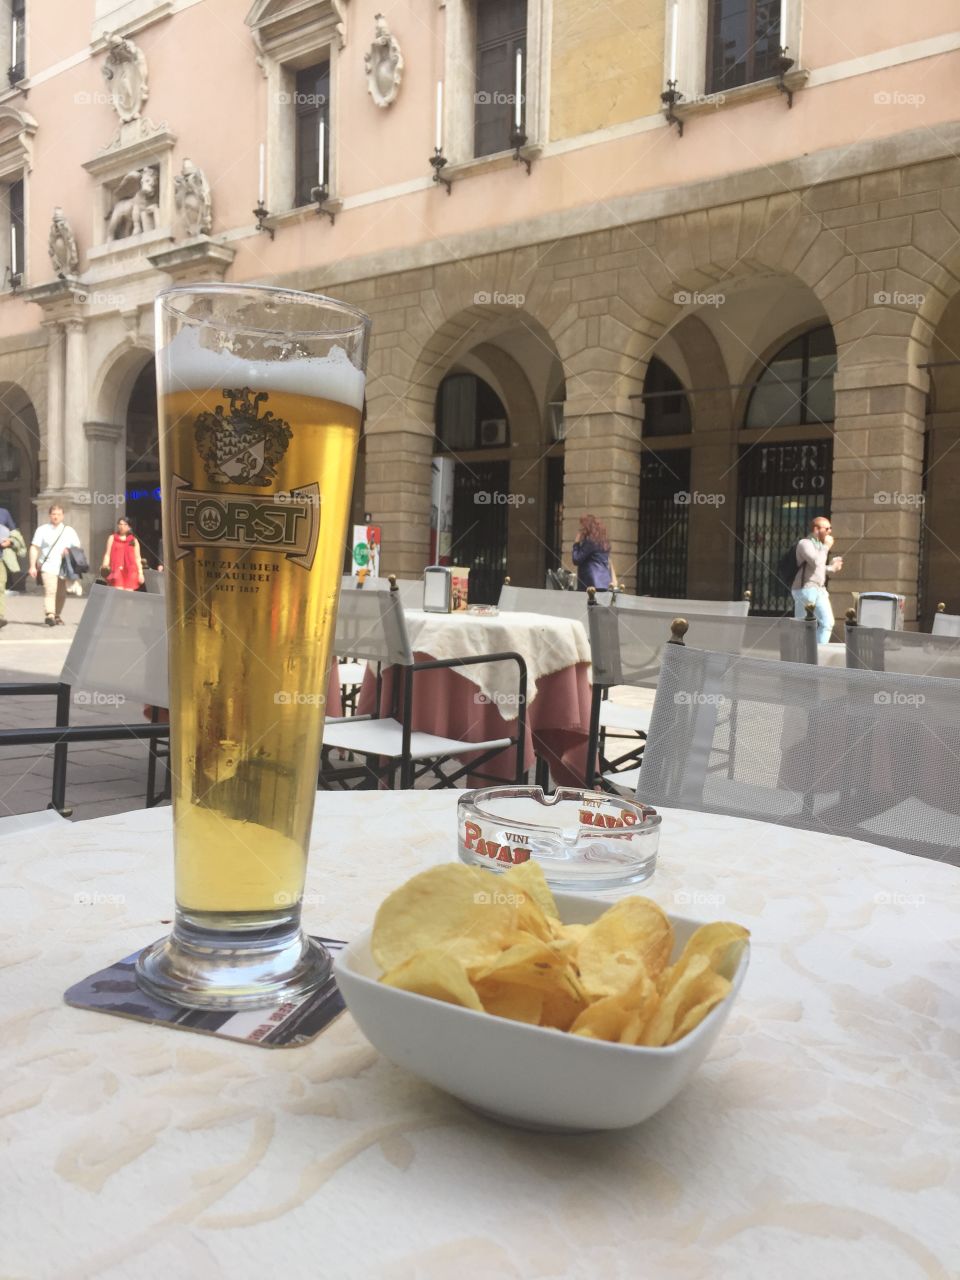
(591, 555)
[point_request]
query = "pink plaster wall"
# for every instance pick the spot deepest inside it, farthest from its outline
(205, 83)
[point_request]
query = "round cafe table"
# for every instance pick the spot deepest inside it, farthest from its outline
(480, 702)
(818, 1139)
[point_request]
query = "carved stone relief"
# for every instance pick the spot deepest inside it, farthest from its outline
(62, 246)
(384, 65)
(135, 204)
(191, 194)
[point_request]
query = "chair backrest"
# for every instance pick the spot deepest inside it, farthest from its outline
(626, 646)
(946, 624)
(823, 748)
(903, 652)
(370, 625)
(554, 604)
(120, 648)
(411, 589)
(154, 582)
(707, 608)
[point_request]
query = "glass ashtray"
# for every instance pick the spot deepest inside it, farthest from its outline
(581, 839)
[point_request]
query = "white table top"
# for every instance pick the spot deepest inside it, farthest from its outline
(817, 1140)
(546, 643)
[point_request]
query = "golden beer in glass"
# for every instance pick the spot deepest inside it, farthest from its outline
(260, 400)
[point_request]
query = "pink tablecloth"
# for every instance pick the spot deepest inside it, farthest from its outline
(558, 719)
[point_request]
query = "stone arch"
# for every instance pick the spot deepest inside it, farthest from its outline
(113, 383)
(20, 434)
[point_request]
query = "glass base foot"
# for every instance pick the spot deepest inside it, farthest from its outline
(207, 969)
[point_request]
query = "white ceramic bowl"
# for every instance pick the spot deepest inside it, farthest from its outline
(534, 1077)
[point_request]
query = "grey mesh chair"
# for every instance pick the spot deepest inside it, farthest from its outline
(854, 753)
(553, 604)
(370, 625)
(904, 652)
(118, 657)
(705, 608)
(946, 624)
(411, 589)
(626, 649)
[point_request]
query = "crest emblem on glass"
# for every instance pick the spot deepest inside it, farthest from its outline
(260, 400)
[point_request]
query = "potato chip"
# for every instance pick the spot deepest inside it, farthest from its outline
(681, 996)
(437, 974)
(510, 1000)
(630, 940)
(529, 877)
(495, 944)
(722, 944)
(609, 1017)
(453, 907)
(711, 989)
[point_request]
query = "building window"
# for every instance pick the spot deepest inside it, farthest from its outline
(470, 415)
(796, 386)
(311, 100)
(743, 42)
(18, 31)
(15, 236)
(666, 409)
(501, 38)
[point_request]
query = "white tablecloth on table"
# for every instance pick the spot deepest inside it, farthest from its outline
(831, 655)
(546, 644)
(818, 1140)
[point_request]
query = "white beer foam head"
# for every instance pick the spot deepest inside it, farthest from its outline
(197, 368)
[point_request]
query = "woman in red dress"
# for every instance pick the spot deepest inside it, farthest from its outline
(122, 566)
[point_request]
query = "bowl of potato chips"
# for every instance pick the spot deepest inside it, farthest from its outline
(560, 1013)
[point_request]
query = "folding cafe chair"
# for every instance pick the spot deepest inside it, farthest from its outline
(945, 624)
(370, 625)
(626, 646)
(904, 652)
(851, 752)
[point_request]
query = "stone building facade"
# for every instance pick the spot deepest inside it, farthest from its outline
(702, 339)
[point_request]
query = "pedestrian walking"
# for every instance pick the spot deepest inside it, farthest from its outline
(12, 547)
(591, 555)
(122, 562)
(47, 548)
(809, 584)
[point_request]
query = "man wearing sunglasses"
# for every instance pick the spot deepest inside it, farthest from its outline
(810, 583)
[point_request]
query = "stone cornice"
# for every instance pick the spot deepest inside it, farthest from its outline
(898, 151)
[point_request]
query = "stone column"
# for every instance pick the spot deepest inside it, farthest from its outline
(54, 426)
(877, 480)
(105, 450)
(712, 539)
(74, 406)
(601, 474)
(398, 493)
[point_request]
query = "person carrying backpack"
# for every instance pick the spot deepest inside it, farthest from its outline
(809, 582)
(12, 547)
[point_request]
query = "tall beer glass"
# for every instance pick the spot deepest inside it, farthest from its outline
(260, 397)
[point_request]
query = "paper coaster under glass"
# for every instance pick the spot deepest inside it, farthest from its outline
(288, 1024)
(583, 840)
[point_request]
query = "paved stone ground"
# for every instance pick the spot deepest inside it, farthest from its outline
(100, 779)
